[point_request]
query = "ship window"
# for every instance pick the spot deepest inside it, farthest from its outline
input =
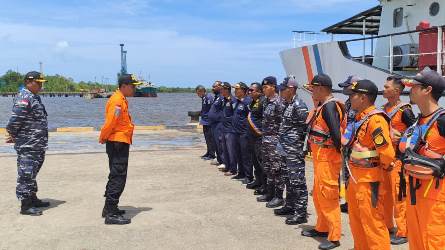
(434, 8)
(398, 17)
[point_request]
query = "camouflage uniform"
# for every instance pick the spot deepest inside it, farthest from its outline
(28, 126)
(272, 162)
(290, 147)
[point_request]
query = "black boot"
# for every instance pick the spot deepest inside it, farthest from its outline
(111, 209)
(260, 191)
(28, 208)
(36, 202)
(268, 196)
(277, 200)
(327, 245)
(296, 219)
(286, 210)
(116, 219)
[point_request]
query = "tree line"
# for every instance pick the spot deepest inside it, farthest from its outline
(12, 81)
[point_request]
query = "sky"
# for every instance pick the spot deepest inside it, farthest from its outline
(169, 42)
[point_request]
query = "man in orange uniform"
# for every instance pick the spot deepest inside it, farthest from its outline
(325, 141)
(402, 117)
(117, 133)
(371, 152)
(425, 214)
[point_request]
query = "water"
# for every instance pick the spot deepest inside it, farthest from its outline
(167, 109)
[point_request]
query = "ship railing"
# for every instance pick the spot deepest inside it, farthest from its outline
(439, 50)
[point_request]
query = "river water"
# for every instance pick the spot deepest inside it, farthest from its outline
(167, 109)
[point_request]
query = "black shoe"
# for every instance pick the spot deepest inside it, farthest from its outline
(247, 181)
(238, 177)
(395, 240)
(36, 202)
(27, 208)
(284, 211)
(209, 158)
(329, 245)
(253, 184)
(259, 191)
(116, 219)
(264, 198)
(118, 212)
(344, 208)
(296, 219)
(225, 170)
(275, 202)
(313, 233)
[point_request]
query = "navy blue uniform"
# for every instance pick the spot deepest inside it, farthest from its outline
(207, 101)
(291, 141)
(255, 141)
(28, 126)
(240, 125)
(215, 119)
(231, 149)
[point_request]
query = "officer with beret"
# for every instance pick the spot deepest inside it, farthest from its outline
(28, 129)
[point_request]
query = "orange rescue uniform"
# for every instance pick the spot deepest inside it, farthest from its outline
(426, 219)
(365, 218)
(327, 163)
(395, 209)
(118, 125)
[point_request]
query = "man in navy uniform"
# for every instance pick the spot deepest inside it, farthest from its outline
(230, 147)
(216, 119)
(207, 101)
(28, 129)
(239, 123)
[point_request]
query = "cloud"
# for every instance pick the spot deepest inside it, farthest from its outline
(168, 56)
(61, 46)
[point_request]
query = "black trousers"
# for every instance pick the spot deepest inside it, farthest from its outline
(118, 163)
(256, 144)
(208, 135)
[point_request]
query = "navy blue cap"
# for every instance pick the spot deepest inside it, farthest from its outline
(362, 87)
(270, 80)
(427, 77)
(348, 82)
(289, 82)
(226, 85)
(321, 80)
(241, 85)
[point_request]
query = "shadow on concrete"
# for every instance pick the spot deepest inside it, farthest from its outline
(52, 204)
(131, 212)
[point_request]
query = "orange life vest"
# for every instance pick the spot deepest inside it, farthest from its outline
(318, 132)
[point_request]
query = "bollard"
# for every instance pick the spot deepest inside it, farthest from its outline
(194, 116)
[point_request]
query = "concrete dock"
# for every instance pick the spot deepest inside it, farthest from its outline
(175, 200)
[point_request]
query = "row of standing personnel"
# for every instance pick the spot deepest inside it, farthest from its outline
(392, 161)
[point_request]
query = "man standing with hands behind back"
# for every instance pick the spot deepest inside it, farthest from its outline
(117, 133)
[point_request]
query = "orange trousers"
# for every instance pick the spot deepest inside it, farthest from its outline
(367, 223)
(326, 198)
(425, 224)
(394, 209)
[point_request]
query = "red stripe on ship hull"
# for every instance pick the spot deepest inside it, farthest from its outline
(307, 62)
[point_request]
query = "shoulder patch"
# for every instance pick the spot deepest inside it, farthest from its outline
(378, 138)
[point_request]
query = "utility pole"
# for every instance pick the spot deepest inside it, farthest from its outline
(41, 67)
